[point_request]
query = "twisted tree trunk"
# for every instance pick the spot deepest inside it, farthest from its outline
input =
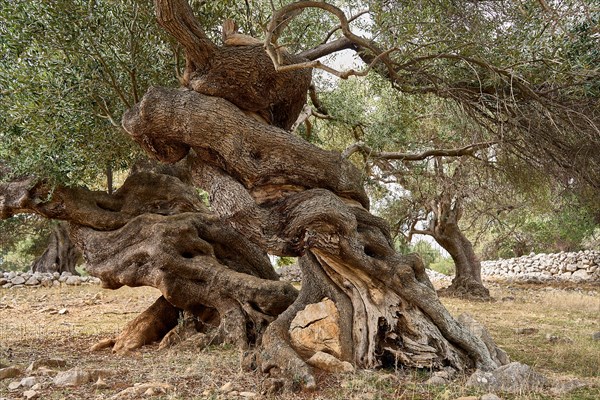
(293, 199)
(155, 231)
(444, 228)
(270, 192)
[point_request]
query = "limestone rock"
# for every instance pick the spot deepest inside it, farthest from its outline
(18, 280)
(28, 381)
(73, 377)
(567, 387)
(478, 330)
(144, 389)
(226, 388)
(9, 372)
(73, 280)
(490, 396)
(329, 363)
(436, 381)
(46, 362)
(513, 378)
(30, 394)
(316, 328)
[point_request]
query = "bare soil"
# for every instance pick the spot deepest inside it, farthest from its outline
(32, 327)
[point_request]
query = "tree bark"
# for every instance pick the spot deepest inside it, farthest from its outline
(446, 211)
(155, 231)
(293, 199)
(60, 255)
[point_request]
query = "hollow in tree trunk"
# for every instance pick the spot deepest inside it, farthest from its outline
(60, 255)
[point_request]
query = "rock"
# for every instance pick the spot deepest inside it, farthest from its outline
(316, 328)
(329, 363)
(490, 396)
(73, 377)
(73, 281)
(526, 331)
(581, 275)
(63, 311)
(513, 378)
(247, 394)
(557, 339)
(226, 388)
(478, 330)
(596, 335)
(144, 389)
(14, 385)
(567, 387)
(46, 362)
(30, 394)
(101, 384)
(436, 381)
(18, 280)
(28, 381)
(9, 372)
(33, 281)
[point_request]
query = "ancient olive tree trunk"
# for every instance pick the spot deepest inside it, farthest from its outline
(293, 199)
(155, 231)
(445, 230)
(60, 255)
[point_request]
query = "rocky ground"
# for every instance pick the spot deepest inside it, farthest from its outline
(45, 334)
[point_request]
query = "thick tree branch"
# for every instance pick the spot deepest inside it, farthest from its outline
(177, 18)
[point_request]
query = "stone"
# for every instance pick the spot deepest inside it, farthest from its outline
(596, 335)
(226, 388)
(567, 387)
(14, 385)
(33, 281)
(73, 281)
(101, 384)
(28, 381)
(46, 362)
(478, 330)
(329, 363)
(147, 389)
(513, 378)
(436, 381)
(581, 274)
(9, 372)
(63, 311)
(31, 394)
(489, 396)
(248, 394)
(72, 377)
(316, 328)
(18, 280)
(526, 331)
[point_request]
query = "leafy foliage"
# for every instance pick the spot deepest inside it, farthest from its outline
(69, 70)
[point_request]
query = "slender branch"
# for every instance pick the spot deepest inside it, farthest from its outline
(463, 151)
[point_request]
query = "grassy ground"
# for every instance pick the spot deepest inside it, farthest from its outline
(31, 328)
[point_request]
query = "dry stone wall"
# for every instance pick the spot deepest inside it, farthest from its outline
(579, 267)
(17, 280)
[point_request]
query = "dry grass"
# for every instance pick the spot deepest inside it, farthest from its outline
(30, 329)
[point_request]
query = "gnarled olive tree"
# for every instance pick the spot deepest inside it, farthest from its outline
(270, 192)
